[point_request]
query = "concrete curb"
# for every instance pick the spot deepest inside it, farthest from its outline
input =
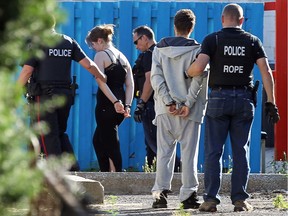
(126, 183)
(94, 189)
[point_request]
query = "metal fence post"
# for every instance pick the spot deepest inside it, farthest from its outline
(263, 145)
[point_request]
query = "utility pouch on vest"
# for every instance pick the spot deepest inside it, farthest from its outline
(255, 92)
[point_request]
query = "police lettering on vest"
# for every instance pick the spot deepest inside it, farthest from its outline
(60, 52)
(233, 51)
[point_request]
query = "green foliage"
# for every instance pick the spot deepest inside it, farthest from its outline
(112, 200)
(280, 167)
(131, 169)
(23, 21)
(20, 21)
(279, 202)
(146, 168)
(181, 211)
(18, 179)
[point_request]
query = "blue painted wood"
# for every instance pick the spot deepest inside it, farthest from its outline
(126, 15)
(255, 21)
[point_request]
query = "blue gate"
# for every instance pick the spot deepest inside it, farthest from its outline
(126, 15)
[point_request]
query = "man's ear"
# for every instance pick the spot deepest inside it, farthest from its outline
(222, 19)
(144, 37)
(241, 20)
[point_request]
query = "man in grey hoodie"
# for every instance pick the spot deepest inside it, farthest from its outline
(180, 103)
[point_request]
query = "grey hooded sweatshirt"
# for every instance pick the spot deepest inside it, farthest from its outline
(171, 58)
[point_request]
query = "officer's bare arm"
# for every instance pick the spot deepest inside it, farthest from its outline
(91, 66)
(25, 74)
(147, 88)
(267, 78)
(197, 67)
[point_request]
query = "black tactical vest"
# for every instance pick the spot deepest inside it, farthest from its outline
(233, 60)
(139, 74)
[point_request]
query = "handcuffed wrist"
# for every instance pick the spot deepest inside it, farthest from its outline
(170, 103)
(127, 106)
(117, 101)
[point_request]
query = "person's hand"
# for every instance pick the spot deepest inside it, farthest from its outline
(271, 111)
(127, 111)
(141, 105)
(172, 109)
(119, 107)
(184, 111)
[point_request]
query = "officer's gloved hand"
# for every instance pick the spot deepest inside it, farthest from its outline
(272, 112)
(141, 105)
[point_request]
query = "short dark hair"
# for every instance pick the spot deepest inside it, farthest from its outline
(184, 21)
(144, 30)
(233, 11)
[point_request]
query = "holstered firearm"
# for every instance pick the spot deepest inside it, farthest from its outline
(73, 87)
(33, 89)
(254, 92)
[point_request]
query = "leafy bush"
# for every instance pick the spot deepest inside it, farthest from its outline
(279, 202)
(20, 21)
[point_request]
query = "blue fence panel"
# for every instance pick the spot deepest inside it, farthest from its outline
(126, 15)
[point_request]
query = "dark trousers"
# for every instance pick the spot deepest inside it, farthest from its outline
(106, 140)
(228, 112)
(150, 131)
(55, 141)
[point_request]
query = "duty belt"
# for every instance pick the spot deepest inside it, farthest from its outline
(55, 85)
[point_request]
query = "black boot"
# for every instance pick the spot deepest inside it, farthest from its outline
(191, 202)
(162, 201)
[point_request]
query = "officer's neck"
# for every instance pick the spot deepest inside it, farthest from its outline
(231, 26)
(150, 44)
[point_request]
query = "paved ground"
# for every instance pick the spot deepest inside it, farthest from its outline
(141, 205)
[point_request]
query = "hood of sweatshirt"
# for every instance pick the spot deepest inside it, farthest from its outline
(174, 47)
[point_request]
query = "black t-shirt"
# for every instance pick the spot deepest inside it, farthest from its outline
(147, 61)
(56, 64)
(233, 53)
(145, 64)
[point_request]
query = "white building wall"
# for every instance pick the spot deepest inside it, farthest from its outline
(269, 34)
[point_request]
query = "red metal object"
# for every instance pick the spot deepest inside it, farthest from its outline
(281, 68)
(269, 6)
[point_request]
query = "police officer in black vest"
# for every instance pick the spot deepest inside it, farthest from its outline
(144, 40)
(232, 53)
(51, 76)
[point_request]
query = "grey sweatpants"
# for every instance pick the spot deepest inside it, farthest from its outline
(170, 130)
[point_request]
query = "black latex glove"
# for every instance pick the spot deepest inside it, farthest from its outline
(272, 112)
(139, 110)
